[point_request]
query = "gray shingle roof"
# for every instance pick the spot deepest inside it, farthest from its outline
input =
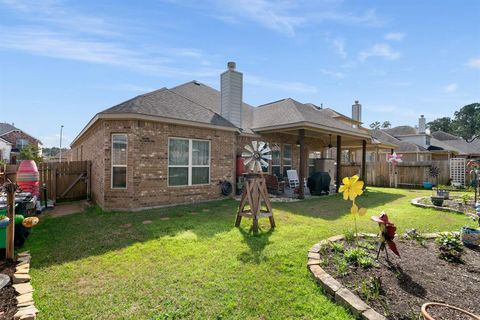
(288, 111)
(401, 131)
(6, 127)
(210, 98)
(463, 147)
(169, 104)
(404, 146)
(442, 136)
(382, 136)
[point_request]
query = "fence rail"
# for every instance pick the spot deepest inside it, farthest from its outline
(63, 181)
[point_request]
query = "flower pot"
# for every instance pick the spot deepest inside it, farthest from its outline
(431, 305)
(443, 193)
(437, 201)
(427, 185)
(470, 236)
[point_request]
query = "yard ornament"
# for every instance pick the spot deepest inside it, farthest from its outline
(351, 189)
(255, 191)
(386, 234)
(394, 159)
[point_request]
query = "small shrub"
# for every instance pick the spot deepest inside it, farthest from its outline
(466, 198)
(366, 245)
(337, 246)
(353, 255)
(341, 266)
(413, 235)
(450, 247)
(349, 236)
(371, 288)
(365, 262)
(324, 262)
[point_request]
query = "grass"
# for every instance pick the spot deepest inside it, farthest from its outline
(191, 262)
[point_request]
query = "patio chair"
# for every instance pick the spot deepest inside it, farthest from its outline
(274, 186)
(292, 177)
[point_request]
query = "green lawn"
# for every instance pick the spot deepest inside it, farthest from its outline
(192, 263)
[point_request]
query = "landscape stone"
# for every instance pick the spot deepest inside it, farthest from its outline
(315, 248)
(329, 284)
(22, 263)
(371, 314)
(28, 317)
(23, 288)
(24, 311)
(313, 261)
(313, 255)
(22, 271)
(25, 304)
(25, 297)
(21, 278)
(356, 305)
(336, 238)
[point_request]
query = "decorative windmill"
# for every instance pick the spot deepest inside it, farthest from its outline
(255, 192)
(386, 234)
(394, 159)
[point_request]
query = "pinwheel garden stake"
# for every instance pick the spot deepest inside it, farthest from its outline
(386, 234)
(255, 191)
(351, 189)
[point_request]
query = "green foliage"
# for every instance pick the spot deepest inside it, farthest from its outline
(337, 246)
(466, 198)
(29, 152)
(371, 289)
(353, 255)
(365, 262)
(466, 123)
(450, 247)
(366, 245)
(349, 236)
(413, 235)
(444, 124)
(375, 125)
(2, 216)
(341, 265)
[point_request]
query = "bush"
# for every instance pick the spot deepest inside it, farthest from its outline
(450, 247)
(371, 288)
(354, 255)
(365, 262)
(337, 246)
(341, 266)
(349, 236)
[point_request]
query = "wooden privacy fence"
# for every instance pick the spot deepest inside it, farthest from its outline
(409, 173)
(63, 181)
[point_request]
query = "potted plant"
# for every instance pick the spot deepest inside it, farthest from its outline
(437, 199)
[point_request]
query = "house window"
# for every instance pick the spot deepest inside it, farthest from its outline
(345, 156)
(188, 162)
(372, 156)
(276, 160)
(119, 161)
(287, 158)
(21, 143)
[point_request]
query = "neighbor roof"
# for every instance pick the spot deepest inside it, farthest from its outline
(405, 146)
(463, 147)
(169, 104)
(442, 136)
(384, 137)
(6, 128)
(401, 131)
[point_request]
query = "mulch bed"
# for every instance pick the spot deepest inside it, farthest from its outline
(419, 276)
(8, 302)
(455, 203)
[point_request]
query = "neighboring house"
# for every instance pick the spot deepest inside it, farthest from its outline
(17, 139)
(5, 149)
(176, 145)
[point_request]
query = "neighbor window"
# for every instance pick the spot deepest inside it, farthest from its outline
(287, 158)
(119, 160)
(20, 143)
(276, 160)
(188, 162)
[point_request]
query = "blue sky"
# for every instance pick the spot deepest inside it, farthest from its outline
(61, 62)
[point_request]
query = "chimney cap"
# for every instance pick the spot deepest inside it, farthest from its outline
(231, 65)
(356, 101)
(422, 116)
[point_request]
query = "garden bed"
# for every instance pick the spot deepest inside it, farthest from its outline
(398, 289)
(454, 204)
(8, 301)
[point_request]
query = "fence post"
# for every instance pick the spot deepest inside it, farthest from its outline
(89, 170)
(10, 187)
(54, 184)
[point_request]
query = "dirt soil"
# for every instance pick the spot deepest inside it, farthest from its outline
(8, 303)
(419, 276)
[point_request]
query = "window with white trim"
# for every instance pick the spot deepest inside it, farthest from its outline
(119, 161)
(188, 162)
(287, 158)
(276, 160)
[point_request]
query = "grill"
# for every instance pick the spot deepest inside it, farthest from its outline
(319, 183)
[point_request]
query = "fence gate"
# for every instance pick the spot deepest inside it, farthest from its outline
(457, 170)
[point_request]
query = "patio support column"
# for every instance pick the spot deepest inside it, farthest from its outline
(339, 163)
(364, 163)
(301, 178)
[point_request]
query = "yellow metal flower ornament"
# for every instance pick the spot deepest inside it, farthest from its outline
(351, 188)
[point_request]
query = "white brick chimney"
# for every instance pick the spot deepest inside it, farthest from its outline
(422, 124)
(231, 88)
(357, 111)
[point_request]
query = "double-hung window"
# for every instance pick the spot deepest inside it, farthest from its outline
(188, 162)
(276, 160)
(287, 158)
(119, 160)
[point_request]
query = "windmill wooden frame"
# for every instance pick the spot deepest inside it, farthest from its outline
(255, 193)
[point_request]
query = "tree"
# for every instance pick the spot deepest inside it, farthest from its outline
(375, 125)
(386, 124)
(444, 124)
(467, 122)
(30, 153)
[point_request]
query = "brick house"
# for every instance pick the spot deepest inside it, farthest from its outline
(174, 145)
(12, 140)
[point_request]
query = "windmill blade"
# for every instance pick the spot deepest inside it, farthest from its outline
(249, 148)
(246, 154)
(261, 145)
(264, 163)
(267, 156)
(247, 161)
(266, 150)
(255, 145)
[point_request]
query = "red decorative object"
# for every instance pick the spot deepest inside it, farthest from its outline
(240, 166)
(386, 234)
(28, 177)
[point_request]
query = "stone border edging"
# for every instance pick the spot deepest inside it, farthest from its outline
(21, 283)
(335, 289)
(416, 203)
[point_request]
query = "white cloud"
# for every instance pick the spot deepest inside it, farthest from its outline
(451, 88)
(395, 36)
(338, 75)
(284, 86)
(474, 63)
(339, 45)
(380, 50)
